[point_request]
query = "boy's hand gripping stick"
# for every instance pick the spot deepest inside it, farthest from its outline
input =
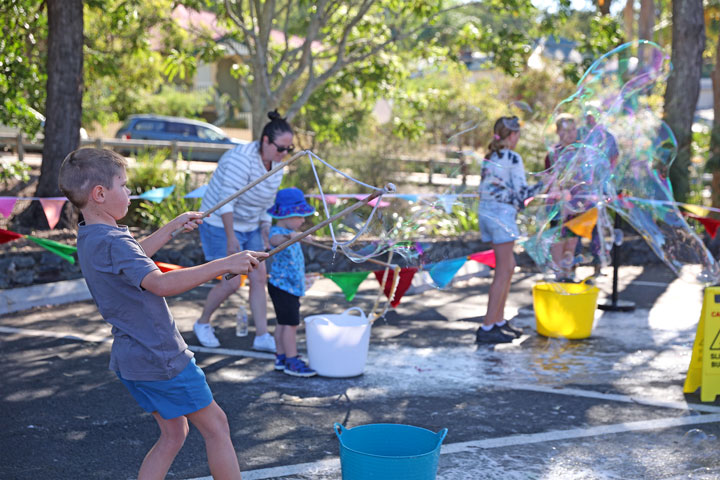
(389, 188)
(250, 185)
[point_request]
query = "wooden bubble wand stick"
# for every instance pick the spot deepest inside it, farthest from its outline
(250, 185)
(389, 188)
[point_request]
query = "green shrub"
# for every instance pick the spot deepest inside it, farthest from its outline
(176, 102)
(151, 171)
(13, 172)
(152, 215)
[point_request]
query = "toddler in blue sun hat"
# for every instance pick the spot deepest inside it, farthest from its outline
(286, 283)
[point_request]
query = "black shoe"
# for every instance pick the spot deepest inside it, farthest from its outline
(512, 329)
(494, 335)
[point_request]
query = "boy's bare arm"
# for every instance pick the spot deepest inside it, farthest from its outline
(178, 281)
(154, 242)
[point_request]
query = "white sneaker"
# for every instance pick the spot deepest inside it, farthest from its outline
(206, 335)
(264, 343)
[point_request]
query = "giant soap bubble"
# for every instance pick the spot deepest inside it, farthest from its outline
(619, 163)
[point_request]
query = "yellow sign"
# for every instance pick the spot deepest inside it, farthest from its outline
(704, 370)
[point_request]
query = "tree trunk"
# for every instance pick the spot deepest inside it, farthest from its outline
(63, 107)
(713, 163)
(683, 88)
(647, 19)
(261, 105)
(715, 192)
(604, 6)
(629, 20)
(646, 24)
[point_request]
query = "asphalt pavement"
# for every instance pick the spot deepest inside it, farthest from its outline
(607, 407)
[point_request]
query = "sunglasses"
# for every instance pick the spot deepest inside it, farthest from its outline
(280, 149)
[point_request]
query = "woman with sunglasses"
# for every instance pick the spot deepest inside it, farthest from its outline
(503, 190)
(243, 224)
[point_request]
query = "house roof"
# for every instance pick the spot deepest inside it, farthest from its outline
(560, 49)
(207, 23)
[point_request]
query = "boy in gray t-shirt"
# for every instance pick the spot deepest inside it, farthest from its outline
(148, 354)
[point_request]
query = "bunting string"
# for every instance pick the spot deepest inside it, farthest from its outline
(394, 281)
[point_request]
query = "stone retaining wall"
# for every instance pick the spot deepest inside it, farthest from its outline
(23, 263)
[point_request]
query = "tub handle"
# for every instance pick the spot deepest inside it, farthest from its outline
(362, 314)
(441, 436)
(339, 429)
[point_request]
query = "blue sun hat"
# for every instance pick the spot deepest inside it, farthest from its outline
(290, 202)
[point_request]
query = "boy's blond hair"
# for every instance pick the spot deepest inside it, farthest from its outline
(85, 168)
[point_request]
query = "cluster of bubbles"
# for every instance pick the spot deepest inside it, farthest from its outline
(609, 154)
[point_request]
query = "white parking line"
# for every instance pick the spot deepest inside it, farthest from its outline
(233, 353)
(329, 465)
(47, 333)
(555, 435)
(576, 392)
(648, 284)
(523, 439)
(572, 392)
(99, 338)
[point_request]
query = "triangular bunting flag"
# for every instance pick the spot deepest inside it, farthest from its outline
(447, 202)
(60, 249)
(408, 197)
(406, 276)
(372, 202)
(583, 224)
(52, 208)
(710, 224)
(349, 282)
(443, 272)
(158, 194)
(197, 193)
(486, 257)
(167, 267)
(6, 205)
(8, 236)
(696, 210)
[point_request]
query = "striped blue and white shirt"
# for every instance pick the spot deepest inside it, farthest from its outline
(237, 168)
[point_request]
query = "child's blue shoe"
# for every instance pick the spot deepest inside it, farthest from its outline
(297, 368)
(280, 362)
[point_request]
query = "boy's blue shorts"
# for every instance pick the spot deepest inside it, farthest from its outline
(188, 392)
(214, 241)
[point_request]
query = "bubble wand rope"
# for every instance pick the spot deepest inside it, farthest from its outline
(371, 260)
(325, 207)
(389, 188)
(250, 185)
(396, 279)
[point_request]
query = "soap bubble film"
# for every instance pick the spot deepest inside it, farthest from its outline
(617, 164)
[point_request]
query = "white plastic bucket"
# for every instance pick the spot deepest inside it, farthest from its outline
(338, 344)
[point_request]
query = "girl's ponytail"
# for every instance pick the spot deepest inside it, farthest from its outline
(504, 126)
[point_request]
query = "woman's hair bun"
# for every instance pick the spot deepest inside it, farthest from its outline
(274, 115)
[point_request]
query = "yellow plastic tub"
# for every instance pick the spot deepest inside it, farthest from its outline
(565, 310)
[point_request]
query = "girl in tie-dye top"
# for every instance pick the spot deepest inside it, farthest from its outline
(503, 191)
(503, 173)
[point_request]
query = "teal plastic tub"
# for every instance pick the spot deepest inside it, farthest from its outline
(386, 451)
